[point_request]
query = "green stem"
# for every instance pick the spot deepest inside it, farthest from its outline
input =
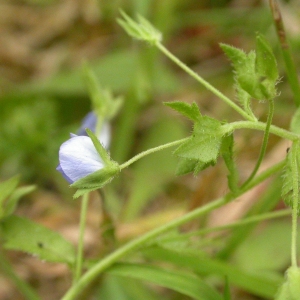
(265, 142)
(141, 241)
(152, 150)
(262, 127)
(287, 57)
(246, 221)
(22, 286)
(79, 257)
(295, 174)
(198, 78)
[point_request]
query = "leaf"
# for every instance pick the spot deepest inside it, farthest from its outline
(290, 290)
(202, 264)
(287, 185)
(179, 281)
(27, 236)
(96, 180)
(228, 156)
(295, 123)
(256, 72)
(6, 188)
(205, 143)
(186, 166)
(266, 67)
(189, 110)
(14, 198)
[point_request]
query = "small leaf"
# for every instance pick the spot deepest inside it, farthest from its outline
(295, 123)
(97, 179)
(100, 149)
(189, 110)
(290, 290)
(6, 188)
(24, 235)
(183, 282)
(287, 185)
(205, 143)
(228, 156)
(14, 198)
(186, 166)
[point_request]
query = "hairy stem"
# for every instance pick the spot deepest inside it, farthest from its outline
(141, 241)
(198, 78)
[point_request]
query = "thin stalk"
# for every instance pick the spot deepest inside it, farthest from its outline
(264, 143)
(79, 257)
(246, 221)
(152, 150)
(287, 57)
(262, 127)
(143, 240)
(23, 287)
(295, 174)
(198, 78)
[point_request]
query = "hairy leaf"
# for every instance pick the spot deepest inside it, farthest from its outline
(189, 110)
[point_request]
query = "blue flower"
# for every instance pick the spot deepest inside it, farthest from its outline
(78, 156)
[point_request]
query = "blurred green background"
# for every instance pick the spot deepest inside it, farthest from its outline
(43, 97)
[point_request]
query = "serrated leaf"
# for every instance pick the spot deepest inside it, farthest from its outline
(189, 110)
(24, 235)
(228, 156)
(186, 166)
(266, 67)
(295, 123)
(183, 282)
(205, 143)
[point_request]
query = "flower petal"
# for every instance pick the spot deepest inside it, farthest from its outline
(78, 158)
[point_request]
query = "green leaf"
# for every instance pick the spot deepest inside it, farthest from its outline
(103, 102)
(202, 264)
(256, 72)
(228, 156)
(183, 282)
(24, 235)
(287, 185)
(189, 110)
(290, 290)
(227, 295)
(141, 30)
(295, 123)
(6, 188)
(205, 143)
(96, 180)
(14, 198)
(266, 67)
(186, 165)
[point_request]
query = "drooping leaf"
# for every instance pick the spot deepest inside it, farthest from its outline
(183, 282)
(189, 110)
(24, 235)
(186, 165)
(228, 156)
